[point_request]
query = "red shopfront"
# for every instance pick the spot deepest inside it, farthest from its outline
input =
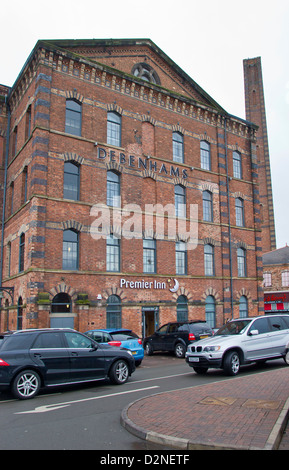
(276, 302)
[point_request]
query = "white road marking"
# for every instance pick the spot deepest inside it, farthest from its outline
(46, 408)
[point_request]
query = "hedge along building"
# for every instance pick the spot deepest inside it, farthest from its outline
(97, 127)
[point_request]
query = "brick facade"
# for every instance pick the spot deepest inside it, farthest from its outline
(101, 76)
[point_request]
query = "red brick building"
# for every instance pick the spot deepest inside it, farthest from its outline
(276, 280)
(116, 128)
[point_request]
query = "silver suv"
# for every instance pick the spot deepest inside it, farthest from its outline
(240, 342)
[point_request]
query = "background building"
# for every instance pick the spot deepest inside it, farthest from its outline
(115, 127)
(276, 280)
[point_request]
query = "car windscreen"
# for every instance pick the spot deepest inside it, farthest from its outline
(123, 335)
(233, 327)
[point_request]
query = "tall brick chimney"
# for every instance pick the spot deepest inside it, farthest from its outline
(256, 113)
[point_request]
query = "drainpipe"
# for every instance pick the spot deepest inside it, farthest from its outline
(229, 217)
(5, 190)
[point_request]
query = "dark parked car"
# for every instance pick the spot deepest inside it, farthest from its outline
(176, 336)
(121, 337)
(31, 359)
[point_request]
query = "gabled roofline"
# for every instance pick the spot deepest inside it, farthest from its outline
(62, 44)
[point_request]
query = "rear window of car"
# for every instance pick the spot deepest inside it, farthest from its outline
(123, 336)
(16, 341)
(199, 327)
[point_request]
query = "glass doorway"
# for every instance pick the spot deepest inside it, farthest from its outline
(150, 320)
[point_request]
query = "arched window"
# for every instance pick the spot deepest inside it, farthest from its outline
(210, 311)
(180, 201)
(113, 128)
(243, 307)
(61, 303)
(237, 165)
(205, 155)
(113, 189)
(113, 312)
(21, 252)
(181, 258)
(209, 260)
(70, 250)
(239, 206)
(178, 147)
(241, 262)
(71, 181)
(73, 117)
(145, 72)
(112, 253)
(182, 308)
(207, 206)
(19, 314)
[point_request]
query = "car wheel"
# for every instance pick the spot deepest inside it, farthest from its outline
(149, 349)
(232, 363)
(286, 357)
(119, 372)
(26, 384)
(180, 350)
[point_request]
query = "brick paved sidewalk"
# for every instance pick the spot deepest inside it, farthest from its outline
(241, 412)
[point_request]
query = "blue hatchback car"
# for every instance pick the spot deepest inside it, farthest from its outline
(121, 337)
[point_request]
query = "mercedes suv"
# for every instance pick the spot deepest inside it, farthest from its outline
(241, 341)
(31, 359)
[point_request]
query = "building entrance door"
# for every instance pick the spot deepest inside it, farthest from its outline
(150, 320)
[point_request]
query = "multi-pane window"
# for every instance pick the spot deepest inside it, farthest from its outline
(243, 307)
(239, 206)
(210, 311)
(70, 250)
(113, 128)
(73, 117)
(207, 206)
(113, 189)
(181, 258)
(149, 255)
(112, 253)
(182, 308)
(21, 252)
(209, 260)
(285, 278)
(71, 181)
(241, 261)
(178, 147)
(24, 182)
(205, 155)
(180, 201)
(267, 279)
(237, 165)
(28, 123)
(113, 312)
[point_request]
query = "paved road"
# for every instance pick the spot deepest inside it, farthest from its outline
(89, 417)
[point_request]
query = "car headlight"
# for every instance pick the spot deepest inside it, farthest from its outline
(212, 348)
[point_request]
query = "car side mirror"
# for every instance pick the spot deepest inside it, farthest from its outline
(94, 347)
(254, 332)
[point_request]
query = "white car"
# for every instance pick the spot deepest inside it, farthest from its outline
(241, 341)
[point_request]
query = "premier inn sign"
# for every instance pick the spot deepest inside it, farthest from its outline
(172, 284)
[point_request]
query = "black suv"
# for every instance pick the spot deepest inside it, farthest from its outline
(31, 359)
(176, 336)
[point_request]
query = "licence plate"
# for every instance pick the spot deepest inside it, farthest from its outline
(203, 336)
(194, 359)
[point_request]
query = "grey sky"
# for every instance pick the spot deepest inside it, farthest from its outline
(208, 39)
